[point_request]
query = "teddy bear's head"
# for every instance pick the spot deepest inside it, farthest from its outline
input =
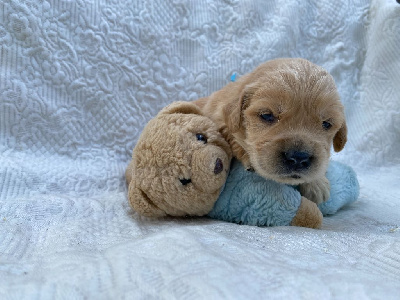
(179, 164)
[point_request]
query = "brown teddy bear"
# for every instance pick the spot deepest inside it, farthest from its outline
(179, 164)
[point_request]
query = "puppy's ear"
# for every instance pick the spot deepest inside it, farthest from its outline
(340, 138)
(233, 111)
(181, 107)
(142, 204)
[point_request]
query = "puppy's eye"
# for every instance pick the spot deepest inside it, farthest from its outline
(269, 118)
(326, 125)
(201, 137)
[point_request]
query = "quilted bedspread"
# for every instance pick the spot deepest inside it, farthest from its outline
(80, 79)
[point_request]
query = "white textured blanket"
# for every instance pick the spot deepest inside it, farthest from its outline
(80, 79)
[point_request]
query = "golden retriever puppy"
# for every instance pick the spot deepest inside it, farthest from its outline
(281, 121)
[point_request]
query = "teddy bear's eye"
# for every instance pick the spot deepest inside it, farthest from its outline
(201, 137)
(185, 181)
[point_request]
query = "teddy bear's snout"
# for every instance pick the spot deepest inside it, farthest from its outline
(209, 168)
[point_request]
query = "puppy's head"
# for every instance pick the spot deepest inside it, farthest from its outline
(287, 117)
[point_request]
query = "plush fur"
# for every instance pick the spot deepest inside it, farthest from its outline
(251, 199)
(174, 170)
(281, 120)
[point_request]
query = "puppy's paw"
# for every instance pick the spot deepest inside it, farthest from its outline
(317, 191)
(247, 164)
(245, 160)
(308, 215)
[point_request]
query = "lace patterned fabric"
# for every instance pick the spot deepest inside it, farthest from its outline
(80, 79)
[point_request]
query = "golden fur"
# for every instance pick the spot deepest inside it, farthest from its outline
(298, 98)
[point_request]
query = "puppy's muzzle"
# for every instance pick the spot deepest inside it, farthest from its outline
(296, 161)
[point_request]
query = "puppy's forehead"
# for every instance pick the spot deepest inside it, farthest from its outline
(309, 88)
(295, 75)
(292, 70)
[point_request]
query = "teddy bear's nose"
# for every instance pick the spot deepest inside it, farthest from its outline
(219, 166)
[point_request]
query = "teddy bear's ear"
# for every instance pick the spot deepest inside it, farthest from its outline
(181, 107)
(142, 204)
(129, 173)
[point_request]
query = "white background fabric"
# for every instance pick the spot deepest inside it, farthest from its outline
(80, 79)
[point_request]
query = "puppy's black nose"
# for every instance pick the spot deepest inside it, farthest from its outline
(296, 160)
(219, 166)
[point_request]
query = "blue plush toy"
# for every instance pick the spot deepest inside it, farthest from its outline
(248, 198)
